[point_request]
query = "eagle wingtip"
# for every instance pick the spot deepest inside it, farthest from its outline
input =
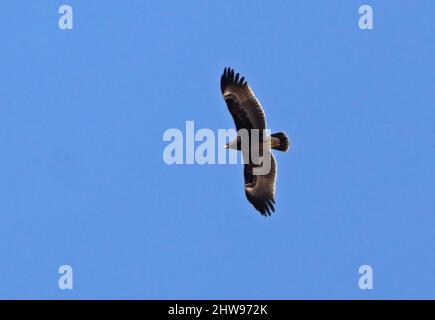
(230, 77)
(265, 208)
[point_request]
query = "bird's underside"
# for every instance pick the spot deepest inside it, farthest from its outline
(248, 116)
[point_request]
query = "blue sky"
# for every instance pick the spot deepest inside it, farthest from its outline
(83, 183)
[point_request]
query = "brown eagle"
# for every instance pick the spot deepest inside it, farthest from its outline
(248, 116)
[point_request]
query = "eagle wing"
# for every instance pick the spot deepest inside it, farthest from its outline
(244, 107)
(260, 189)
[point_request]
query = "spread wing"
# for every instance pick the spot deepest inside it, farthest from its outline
(244, 107)
(260, 189)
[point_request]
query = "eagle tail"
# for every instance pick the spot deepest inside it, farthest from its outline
(280, 141)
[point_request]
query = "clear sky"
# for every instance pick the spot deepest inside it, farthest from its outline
(83, 182)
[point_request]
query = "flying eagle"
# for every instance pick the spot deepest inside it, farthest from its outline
(248, 114)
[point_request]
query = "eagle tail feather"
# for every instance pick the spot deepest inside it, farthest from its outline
(280, 141)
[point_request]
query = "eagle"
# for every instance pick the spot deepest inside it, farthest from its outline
(248, 116)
